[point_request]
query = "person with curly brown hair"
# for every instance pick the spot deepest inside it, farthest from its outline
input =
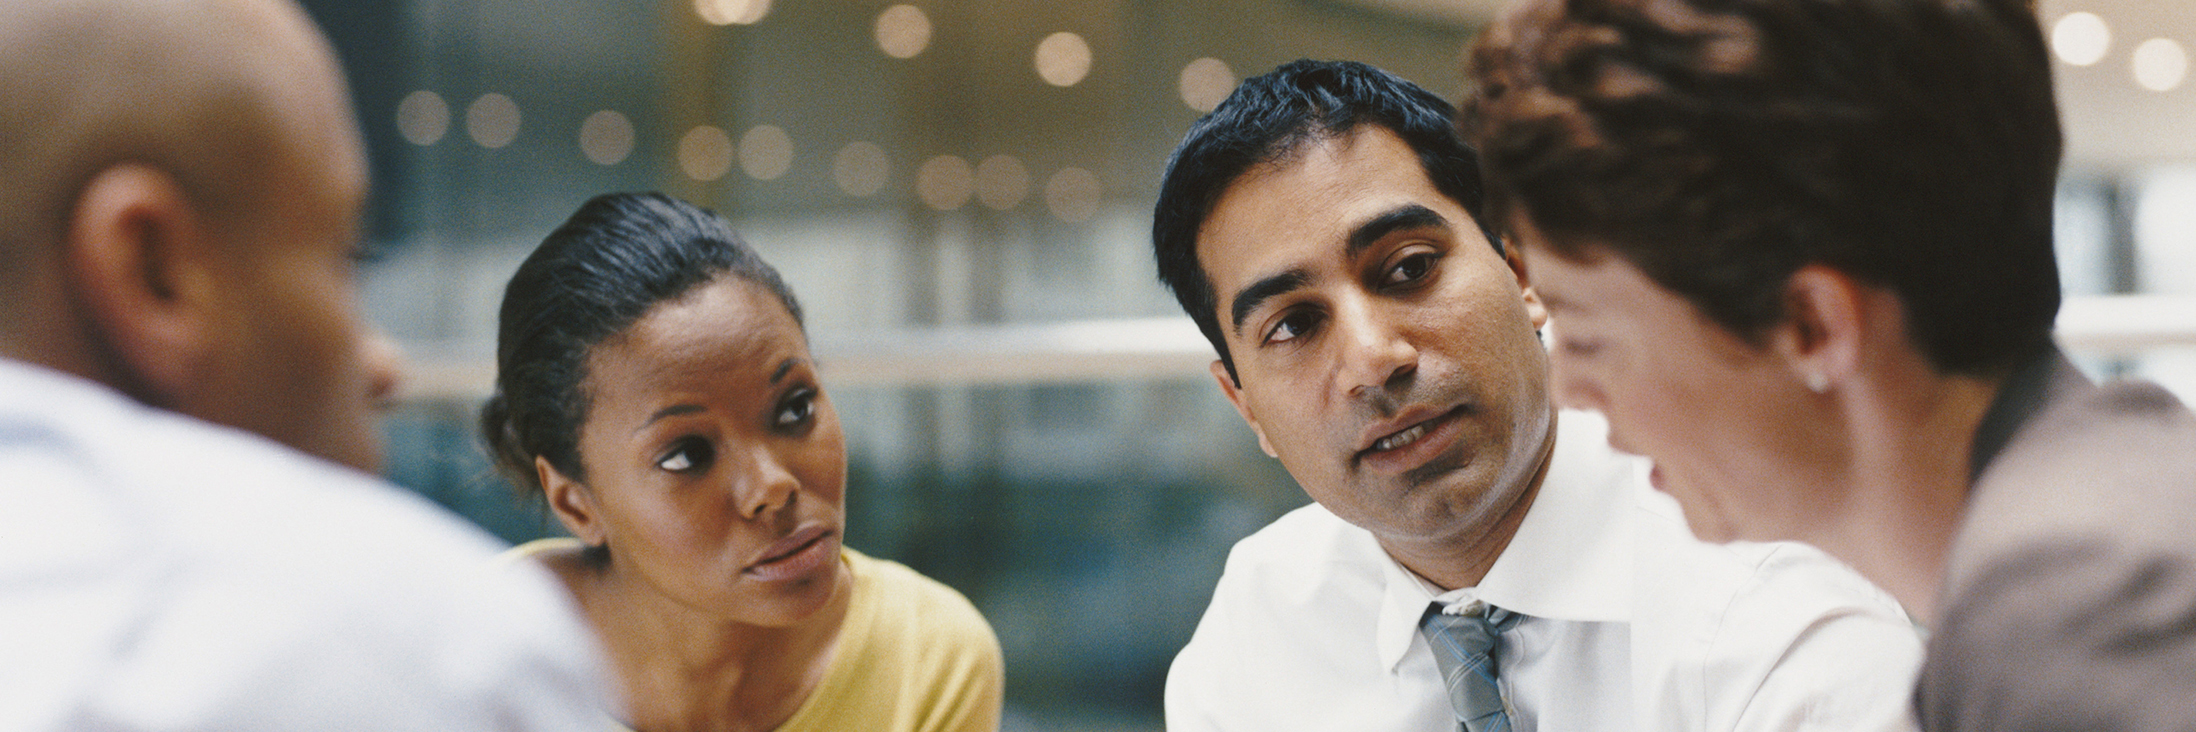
(1800, 253)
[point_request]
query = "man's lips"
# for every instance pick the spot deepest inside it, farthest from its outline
(1407, 427)
(1409, 440)
(797, 554)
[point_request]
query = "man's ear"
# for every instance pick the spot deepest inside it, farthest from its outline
(570, 501)
(1534, 308)
(1235, 397)
(1822, 331)
(138, 258)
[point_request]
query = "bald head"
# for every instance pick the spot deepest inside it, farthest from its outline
(211, 91)
(180, 183)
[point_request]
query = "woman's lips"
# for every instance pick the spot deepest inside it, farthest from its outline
(796, 555)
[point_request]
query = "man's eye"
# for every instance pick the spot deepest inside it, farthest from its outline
(1410, 269)
(1293, 326)
(689, 455)
(797, 409)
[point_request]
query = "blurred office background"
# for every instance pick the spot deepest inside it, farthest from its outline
(959, 190)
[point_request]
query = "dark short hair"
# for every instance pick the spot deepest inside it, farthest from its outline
(1721, 145)
(616, 259)
(1269, 118)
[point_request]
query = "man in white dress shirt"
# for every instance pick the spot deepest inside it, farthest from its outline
(185, 406)
(1322, 228)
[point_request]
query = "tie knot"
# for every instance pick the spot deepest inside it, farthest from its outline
(1464, 646)
(1475, 631)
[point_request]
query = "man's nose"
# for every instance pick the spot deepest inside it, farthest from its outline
(1376, 354)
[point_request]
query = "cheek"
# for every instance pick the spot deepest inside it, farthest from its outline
(1696, 417)
(641, 507)
(821, 462)
(682, 534)
(1651, 402)
(322, 329)
(823, 474)
(1292, 425)
(629, 509)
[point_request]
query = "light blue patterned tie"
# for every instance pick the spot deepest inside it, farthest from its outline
(1465, 646)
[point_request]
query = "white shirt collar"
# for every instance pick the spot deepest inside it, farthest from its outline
(26, 378)
(1570, 559)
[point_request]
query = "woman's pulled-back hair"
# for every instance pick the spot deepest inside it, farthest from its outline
(617, 258)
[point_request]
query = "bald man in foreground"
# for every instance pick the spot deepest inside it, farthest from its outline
(185, 408)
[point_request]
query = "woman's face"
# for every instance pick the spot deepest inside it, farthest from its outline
(715, 464)
(1732, 431)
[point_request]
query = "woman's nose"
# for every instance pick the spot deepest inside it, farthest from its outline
(765, 485)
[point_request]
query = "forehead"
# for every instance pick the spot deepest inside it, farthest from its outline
(1591, 283)
(729, 332)
(1304, 206)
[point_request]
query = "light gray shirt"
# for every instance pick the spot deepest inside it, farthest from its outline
(160, 573)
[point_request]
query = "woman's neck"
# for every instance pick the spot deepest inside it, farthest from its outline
(1909, 480)
(684, 670)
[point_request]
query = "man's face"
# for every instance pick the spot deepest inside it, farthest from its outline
(1386, 352)
(1713, 411)
(292, 361)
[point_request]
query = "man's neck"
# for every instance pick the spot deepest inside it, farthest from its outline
(43, 325)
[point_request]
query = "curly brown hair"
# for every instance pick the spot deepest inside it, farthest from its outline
(1721, 145)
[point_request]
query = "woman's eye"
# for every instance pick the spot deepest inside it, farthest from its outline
(797, 409)
(1293, 326)
(689, 455)
(1410, 269)
(1577, 347)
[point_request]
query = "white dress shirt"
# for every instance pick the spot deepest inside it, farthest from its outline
(160, 573)
(1631, 624)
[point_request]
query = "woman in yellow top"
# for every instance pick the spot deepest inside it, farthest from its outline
(654, 385)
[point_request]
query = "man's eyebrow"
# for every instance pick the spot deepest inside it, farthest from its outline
(1408, 216)
(783, 369)
(1249, 298)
